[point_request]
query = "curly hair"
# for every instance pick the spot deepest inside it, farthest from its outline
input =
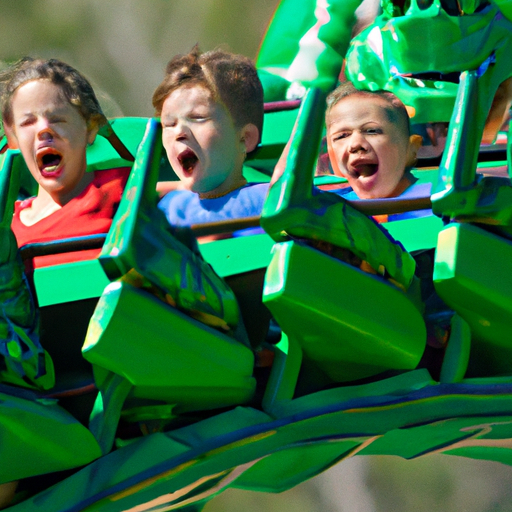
(231, 79)
(74, 86)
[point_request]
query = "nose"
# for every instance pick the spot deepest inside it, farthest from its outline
(182, 130)
(45, 132)
(357, 143)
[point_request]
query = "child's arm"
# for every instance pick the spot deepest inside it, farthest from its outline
(281, 163)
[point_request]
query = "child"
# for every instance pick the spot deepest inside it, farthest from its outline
(211, 109)
(369, 142)
(51, 114)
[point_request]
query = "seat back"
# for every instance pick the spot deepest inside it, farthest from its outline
(473, 275)
(191, 365)
(351, 324)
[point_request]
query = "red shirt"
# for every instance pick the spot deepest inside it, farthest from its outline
(87, 214)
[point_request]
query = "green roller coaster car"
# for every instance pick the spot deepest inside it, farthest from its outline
(154, 410)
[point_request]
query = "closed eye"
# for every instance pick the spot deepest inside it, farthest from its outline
(27, 121)
(373, 131)
(339, 136)
(199, 117)
(169, 123)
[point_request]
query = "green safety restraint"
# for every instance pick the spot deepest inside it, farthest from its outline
(171, 340)
(473, 266)
(294, 209)
(350, 323)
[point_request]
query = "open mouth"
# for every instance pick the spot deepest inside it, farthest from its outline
(365, 170)
(188, 160)
(48, 161)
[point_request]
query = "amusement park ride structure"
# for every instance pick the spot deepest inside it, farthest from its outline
(153, 410)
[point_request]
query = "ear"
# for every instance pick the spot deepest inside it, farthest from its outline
(415, 142)
(250, 136)
(92, 131)
(12, 141)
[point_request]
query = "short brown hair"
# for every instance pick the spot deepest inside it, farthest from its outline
(74, 86)
(231, 79)
(397, 112)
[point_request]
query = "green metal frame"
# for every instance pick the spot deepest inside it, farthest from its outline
(391, 54)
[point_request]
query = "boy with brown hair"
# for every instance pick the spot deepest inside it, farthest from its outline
(369, 141)
(211, 110)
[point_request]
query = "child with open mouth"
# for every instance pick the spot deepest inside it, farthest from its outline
(211, 110)
(51, 114)
(369, 141)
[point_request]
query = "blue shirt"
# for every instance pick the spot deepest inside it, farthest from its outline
(415, 190)
(183, 207)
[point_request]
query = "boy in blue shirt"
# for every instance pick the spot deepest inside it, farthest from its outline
(369, 142)
(211, 110)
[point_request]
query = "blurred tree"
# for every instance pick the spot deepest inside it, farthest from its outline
(122, 46)
(439, 483)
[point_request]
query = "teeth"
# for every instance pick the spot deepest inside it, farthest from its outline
(50, 168)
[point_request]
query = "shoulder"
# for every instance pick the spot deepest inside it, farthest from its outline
(19, 229)
(254, 189)
(256, 192)
(21, 205)
(177, 197)
(117, 176)
(179, 206)
(245, 201)
(417, 190)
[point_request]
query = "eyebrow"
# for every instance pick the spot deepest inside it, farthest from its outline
(342, 127)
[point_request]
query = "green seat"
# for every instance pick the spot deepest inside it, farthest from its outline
(165, 354)
(473, 275)
(145, 352)
(351, 324)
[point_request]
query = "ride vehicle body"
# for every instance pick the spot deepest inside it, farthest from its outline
(372, 400)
